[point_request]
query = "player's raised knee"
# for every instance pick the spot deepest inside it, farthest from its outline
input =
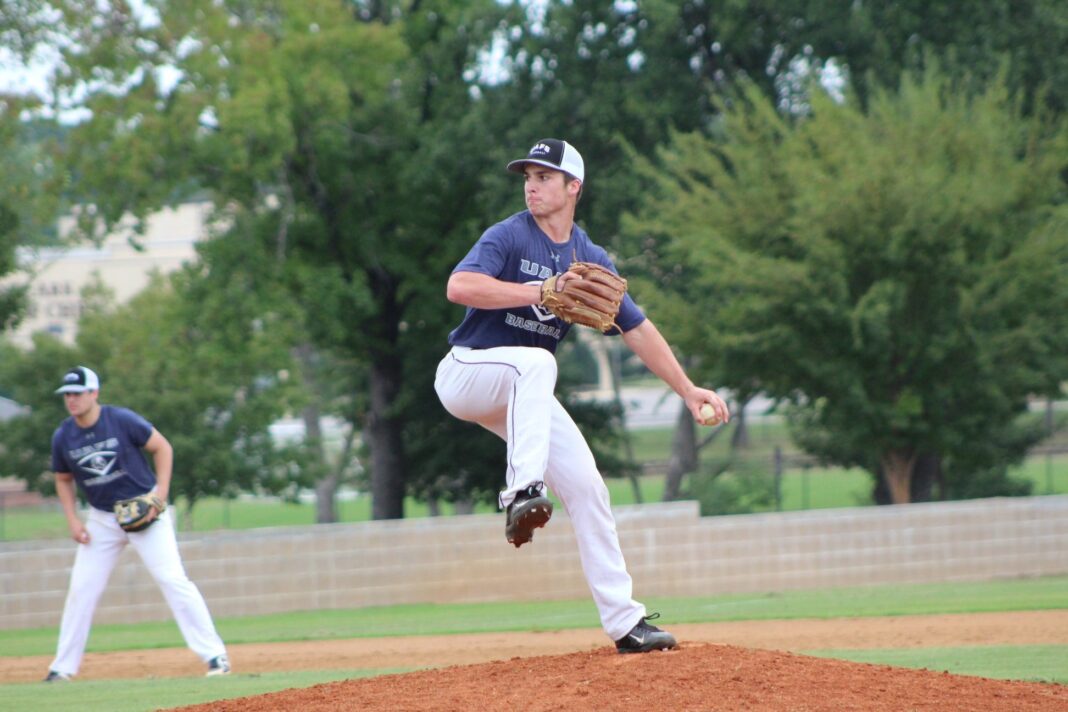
(540, 361)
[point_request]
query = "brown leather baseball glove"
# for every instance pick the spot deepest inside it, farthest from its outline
(592, 301)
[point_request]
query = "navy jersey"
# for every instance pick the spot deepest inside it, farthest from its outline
(105, 459)
(517, 250)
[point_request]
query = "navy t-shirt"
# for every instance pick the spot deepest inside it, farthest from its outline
(105, 459)
(517, 250)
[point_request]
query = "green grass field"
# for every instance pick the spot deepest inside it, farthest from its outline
(1010, 662)
(1040, 662)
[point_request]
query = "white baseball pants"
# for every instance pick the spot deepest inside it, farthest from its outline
(509, 391)
(158, 548)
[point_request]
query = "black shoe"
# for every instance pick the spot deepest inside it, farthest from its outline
(219, 665)
(644, 637)
(54, 676)
(529, 510)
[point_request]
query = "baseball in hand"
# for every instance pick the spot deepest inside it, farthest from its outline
(708, 415)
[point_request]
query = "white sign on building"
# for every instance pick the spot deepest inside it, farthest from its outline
(57, 276)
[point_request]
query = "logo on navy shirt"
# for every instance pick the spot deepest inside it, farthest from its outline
(541, 312)
(542, 273)
(99, 463)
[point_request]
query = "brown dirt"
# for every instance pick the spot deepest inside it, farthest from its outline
(723, 666)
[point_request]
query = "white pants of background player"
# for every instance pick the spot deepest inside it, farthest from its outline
(158, 548)
(509, 391)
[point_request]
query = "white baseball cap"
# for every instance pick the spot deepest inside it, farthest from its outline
(79, 380)
(553, 153)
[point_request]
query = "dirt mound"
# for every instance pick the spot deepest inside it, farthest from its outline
(743, 665)
(693, 677)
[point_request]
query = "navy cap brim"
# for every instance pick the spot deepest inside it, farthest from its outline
(517, 166)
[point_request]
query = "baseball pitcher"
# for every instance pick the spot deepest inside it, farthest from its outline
(524, 283)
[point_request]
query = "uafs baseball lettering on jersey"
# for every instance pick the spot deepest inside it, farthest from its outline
(516, 250)
(532, 325)
(536, 270)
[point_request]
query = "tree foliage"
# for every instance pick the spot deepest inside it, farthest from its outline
(30, 379)
(204, 354)
(365, 141)
(898, 273)
(212, 392)
(339, 121)
(11, 296)
(25, 209)
(878, 41)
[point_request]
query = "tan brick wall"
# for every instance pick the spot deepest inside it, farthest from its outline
(670, 551)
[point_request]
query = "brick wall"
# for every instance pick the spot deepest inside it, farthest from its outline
(670, 551)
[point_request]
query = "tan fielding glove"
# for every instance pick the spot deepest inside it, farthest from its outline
(592, 301)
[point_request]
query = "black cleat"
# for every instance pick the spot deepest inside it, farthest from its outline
(219, 665)
(530, 510)
(54, 676)
(644, 637)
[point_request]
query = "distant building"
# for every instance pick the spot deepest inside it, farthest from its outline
(58, 275)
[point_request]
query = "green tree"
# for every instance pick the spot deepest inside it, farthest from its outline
(876, 41)
(11, 296)
(24, 207)
(203, 354)
(898, 273)
(30, 378)
(615, 77)
(782, 43)
(608, 75)
(325, 384)
(362, 128)
(346, 123)
(211, 391)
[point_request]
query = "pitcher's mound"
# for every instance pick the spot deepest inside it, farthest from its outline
(692, 677)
